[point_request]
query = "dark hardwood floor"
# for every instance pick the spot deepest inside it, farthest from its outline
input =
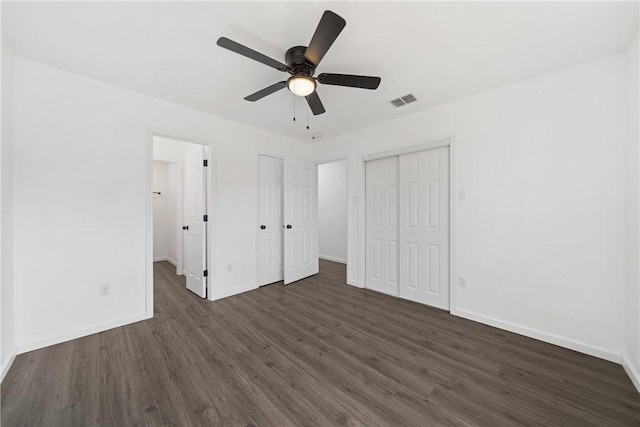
(317, 352)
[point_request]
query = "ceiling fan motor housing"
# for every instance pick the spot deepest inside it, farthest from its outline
(296, 63)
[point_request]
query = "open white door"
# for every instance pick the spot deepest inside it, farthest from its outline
(195, 242)
(301, 220)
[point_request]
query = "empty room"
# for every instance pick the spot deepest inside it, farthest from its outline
(320, 213)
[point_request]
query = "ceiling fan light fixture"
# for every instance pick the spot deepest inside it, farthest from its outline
(301, 85)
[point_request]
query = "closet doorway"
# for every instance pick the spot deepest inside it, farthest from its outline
(288, 220)
(407, 225)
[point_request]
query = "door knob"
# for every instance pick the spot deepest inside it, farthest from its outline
(288, 225)
(262, 227)
(185, 227)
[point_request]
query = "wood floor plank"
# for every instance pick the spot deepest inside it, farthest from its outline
(314, 353)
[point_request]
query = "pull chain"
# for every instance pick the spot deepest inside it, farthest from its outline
(307, 119)
(294, 107)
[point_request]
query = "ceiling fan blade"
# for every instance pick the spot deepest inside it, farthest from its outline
(250, 53)
(363, 82)
(315, 104)
(266, 91)
(327, 32)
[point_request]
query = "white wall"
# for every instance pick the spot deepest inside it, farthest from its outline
(165, 212)
(541, 237)
(167, 150)
(7, 314)
(332, 210)
(632, 296)
(79, 181)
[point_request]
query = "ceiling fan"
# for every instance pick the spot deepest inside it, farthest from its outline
(301, 63)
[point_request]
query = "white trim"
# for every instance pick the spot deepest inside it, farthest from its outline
(334, 259)
(542, 336)
(354, 283)
(179, 263)
(164, 258)
(406, 149)
(331, 159)
(7, 366)
(453, 247)
(633, 374)
(41, 343)
(391, 294)
(148, 215)
(235, 291)
(210, 201)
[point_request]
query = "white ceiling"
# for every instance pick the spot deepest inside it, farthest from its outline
(439, 51)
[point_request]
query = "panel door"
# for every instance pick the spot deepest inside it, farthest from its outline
(271, 250)
(194, 229)
(382, 225)
(424, 226)
(301, 220)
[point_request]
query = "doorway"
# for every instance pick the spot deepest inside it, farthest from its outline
(332, 210)
(180, 195)
(287, 207)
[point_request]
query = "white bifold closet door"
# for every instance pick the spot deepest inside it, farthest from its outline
(301, 220)
(288, 235)
(382, 225)
(271, 253)
(424, 226)
(407, 226)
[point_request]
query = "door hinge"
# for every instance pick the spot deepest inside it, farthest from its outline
(205, 218)
(205, 273)
(205, 163)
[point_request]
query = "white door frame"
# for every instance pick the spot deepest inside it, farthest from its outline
(179, 221)
(257, 216)
(211, 154)
(404, 148)
(347, 204)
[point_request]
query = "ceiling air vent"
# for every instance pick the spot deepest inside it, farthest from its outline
(407, 99)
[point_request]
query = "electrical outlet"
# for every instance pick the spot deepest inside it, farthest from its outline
(462, 281)
(229, 267)
(104, 290)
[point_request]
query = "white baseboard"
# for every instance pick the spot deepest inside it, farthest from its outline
(631, 371)
(354, 283)
(234, 291)
(334, 259)
(165, 258)
(7, 366)
(41, 343)
(542, 336)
